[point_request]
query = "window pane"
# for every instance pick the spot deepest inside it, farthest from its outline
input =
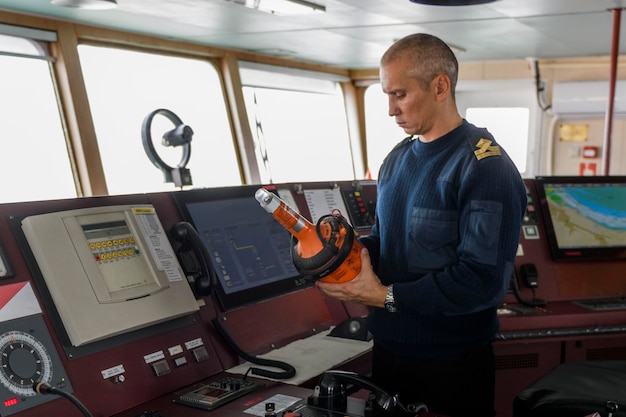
(382, 131)
(125, 86)
(34, 159)
(510, 112)
(20, 46)
(300, 136)
(509, 126)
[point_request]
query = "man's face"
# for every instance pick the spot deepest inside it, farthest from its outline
(413, 108)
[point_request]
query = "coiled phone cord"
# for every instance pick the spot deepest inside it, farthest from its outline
(288, 370)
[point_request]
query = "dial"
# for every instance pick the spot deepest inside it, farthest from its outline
(23, 361)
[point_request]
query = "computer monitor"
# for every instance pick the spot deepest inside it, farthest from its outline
(250, 251)
(585, 217)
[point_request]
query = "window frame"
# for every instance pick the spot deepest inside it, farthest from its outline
(164, 51)
(263, 76)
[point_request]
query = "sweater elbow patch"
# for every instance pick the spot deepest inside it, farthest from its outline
(482, 237)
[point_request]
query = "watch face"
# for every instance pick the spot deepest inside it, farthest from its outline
(390, 302)
(390, 306)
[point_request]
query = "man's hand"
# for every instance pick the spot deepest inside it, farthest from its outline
(365, 288)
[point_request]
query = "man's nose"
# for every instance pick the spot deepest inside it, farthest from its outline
(393, 109)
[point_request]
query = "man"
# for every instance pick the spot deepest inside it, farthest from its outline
(441, 254)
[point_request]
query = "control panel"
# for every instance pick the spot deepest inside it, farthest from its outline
(27, 353)
(209, 396)
(361, 209)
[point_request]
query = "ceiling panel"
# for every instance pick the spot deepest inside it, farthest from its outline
(354, 33)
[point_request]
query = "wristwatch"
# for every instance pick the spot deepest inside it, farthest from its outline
(390, 302)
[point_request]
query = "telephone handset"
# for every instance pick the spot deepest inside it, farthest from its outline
(535, 302)
(335, 386)
(205, 279)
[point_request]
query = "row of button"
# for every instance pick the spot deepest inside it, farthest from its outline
(112, 243)
(109, 256)
(162, 367)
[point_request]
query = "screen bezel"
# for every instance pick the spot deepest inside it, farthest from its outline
(580, 253)
(233, 300)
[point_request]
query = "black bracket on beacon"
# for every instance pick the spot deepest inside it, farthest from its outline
(337, 238)
(179, 136)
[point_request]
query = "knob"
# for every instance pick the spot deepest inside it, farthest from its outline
(611, 407)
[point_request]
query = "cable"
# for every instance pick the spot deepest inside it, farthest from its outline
(184, 232)
(539, 85)
(44, 388)
(289, 371)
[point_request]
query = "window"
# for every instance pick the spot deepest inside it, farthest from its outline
(381, 130)
(508, 109)
(124, 87)
(299, 124)
(508, 125)
(34, 158)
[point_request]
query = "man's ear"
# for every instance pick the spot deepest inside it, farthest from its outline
(442, 85)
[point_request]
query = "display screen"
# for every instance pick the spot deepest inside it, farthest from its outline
(250, 251)
(585, 217)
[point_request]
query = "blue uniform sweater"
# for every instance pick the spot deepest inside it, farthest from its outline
(448, 220)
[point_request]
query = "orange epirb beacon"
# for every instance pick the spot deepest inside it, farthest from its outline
(326, 251)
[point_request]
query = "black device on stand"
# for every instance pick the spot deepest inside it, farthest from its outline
(335, 386)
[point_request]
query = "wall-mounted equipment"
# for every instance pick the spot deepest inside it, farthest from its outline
(586, 98)
(584, 216)
(27, 353)
(179, 136)
(109, 270)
